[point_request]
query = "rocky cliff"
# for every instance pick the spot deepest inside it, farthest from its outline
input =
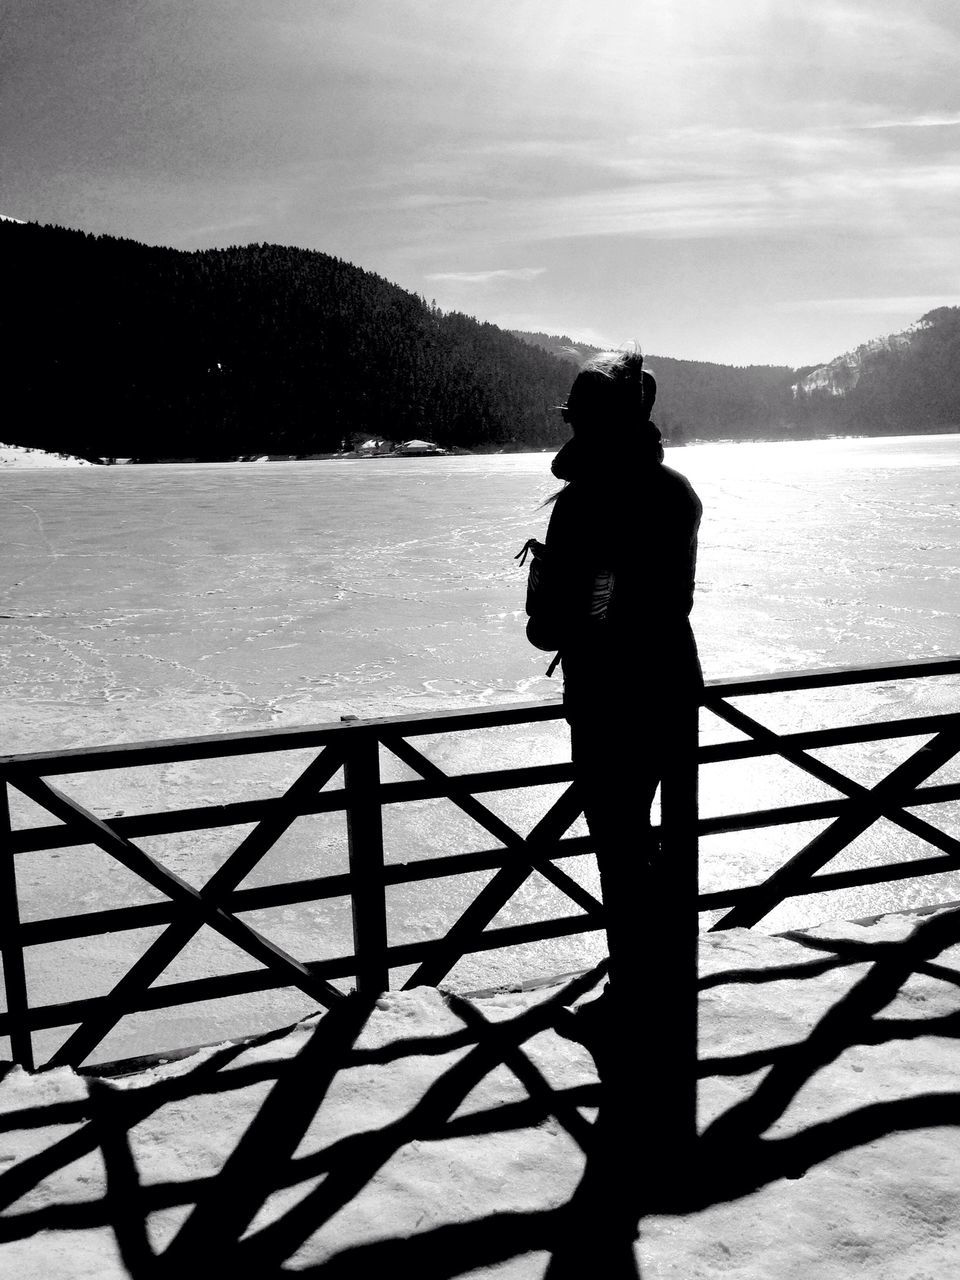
(841, 375)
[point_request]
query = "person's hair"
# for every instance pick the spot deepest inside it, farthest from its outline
(612, 390)
(624, 365)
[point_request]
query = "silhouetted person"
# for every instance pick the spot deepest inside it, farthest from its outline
(622, 540)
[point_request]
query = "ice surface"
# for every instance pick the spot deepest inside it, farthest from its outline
(229, 595)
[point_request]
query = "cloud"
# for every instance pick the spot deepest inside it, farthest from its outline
(875, 202)
(427, 201)
(743, 154)
(487, 277)
(217, 230)
(915, 305)
(696, 182)
(936, 121)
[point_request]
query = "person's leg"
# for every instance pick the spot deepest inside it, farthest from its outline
(618, 779)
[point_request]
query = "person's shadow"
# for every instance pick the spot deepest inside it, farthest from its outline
(611, 1119)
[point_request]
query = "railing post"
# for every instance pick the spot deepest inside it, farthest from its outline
(11, 948)
(361, 780)
(674, 930)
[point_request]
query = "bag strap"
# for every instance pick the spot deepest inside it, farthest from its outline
(531, 544)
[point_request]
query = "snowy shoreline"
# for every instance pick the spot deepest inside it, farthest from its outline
(15, 455)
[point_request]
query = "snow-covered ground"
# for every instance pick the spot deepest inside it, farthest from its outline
(436, 1136)
(14, 455)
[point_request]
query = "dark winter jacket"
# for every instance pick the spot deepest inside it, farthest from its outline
(634, 526)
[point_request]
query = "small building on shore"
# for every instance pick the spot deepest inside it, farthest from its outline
(419, 449)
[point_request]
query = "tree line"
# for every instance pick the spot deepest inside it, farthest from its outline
(116, 348)
(897, 388)
(121, 349)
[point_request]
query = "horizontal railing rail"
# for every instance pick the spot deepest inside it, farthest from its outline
(352, 748)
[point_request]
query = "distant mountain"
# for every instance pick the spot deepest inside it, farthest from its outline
(118, 349)
(900, 384)
(122, 349)
(697, 400)
(906, 382)
(839, 376)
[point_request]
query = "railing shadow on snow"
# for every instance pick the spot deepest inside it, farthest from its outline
(624, 1153)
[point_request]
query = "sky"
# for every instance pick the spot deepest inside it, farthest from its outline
(749, 181)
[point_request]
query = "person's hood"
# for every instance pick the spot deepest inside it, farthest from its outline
(578, 460)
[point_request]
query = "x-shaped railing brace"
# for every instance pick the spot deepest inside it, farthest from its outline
(203, 905)
(498, 891)
(884, 800)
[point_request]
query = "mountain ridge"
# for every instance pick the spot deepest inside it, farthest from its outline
(907, 381)
(841, 374)
(249, 350)
(124, 349)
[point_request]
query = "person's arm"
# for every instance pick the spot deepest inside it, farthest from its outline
(692, 536)
(569, 564)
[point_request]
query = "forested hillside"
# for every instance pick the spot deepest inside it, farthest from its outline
(115, 348)
(697, 400)
(908, 382)
(901, 384)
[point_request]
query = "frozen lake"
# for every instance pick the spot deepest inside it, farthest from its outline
(186, 599)
(146, 602)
